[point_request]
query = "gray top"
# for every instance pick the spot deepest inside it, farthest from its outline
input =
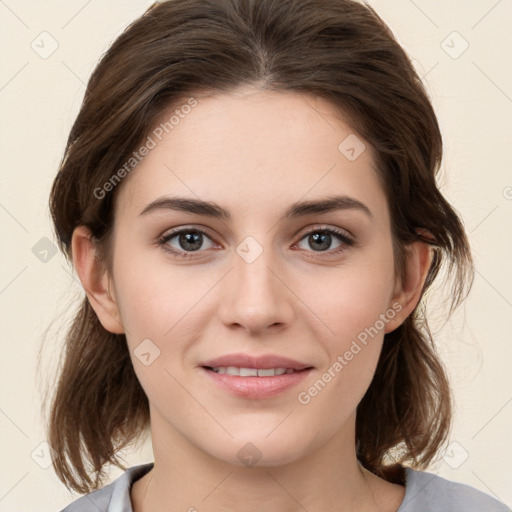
(424, 492)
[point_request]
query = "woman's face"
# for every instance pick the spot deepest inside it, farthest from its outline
(262, 280)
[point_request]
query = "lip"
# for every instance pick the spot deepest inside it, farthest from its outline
(264, 361)
(256, 388)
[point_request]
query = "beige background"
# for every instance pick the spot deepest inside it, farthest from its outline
(39, 98)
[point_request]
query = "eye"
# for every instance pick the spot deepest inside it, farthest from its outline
(191, 240)
(321, 239)
(188, 240)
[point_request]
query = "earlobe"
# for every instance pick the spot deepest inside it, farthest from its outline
(95, 280)
(408, 291)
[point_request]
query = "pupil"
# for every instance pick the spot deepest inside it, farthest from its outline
(324, 238)
(190, 241)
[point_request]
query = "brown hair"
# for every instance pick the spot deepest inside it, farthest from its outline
(339, 50)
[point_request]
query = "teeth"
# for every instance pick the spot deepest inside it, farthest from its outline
(270, 372)
(252, 372)
(248, 372)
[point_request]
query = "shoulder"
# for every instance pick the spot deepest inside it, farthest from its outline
(426, 492)
(114, 496)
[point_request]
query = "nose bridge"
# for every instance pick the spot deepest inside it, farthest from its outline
(256, 296)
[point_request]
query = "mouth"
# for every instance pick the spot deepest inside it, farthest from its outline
(253, 372)
(245, 364)
(255, 383)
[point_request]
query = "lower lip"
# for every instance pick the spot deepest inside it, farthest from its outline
(257, 387)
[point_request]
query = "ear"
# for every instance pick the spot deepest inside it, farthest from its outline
(95, 280)
(407, 293)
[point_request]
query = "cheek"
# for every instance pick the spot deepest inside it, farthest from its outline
(353, 299)
(353, 310)
(163, 311)
(355, 307)
(154, 296)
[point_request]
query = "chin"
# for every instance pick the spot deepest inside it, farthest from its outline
(260, 451)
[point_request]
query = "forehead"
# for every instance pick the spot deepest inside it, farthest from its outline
(253, 150)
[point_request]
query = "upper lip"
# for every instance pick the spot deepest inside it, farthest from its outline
(265, 361)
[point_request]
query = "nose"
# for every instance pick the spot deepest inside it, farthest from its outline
(255, 295)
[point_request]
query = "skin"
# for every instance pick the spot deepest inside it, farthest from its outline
(254, 153)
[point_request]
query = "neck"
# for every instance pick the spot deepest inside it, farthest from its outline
(185, 478)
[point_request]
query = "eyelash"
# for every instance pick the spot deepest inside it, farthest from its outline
(340, 235)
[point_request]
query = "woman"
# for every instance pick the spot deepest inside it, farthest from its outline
(248, 196)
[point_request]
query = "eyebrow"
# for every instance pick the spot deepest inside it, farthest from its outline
(296, 210)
